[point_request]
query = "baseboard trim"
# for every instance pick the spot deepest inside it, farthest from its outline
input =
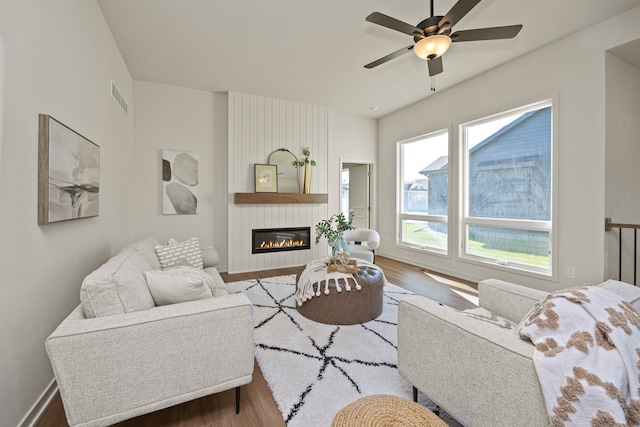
(34, 414)
(445, 271)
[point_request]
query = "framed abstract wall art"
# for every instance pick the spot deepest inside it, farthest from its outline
(266, 177)
(179, 182)
(68, 173)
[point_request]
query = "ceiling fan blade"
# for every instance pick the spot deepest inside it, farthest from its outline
(456, 13)
(393, 23)
(389, 57)
(492, 33)
(435, 66)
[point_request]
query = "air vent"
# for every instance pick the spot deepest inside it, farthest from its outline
(117, 96)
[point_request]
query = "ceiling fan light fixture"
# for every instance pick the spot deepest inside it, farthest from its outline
(432, 47)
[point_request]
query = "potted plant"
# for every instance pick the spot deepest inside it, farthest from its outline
(332, 227)
(306, 162)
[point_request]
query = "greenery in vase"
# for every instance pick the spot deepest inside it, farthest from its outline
(306, 153)
(332, 227)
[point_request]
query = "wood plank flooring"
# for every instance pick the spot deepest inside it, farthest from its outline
(257, 407)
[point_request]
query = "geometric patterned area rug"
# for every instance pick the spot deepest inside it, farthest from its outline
(314, 369)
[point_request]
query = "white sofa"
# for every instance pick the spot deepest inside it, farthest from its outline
(473, 363)
(135, 358)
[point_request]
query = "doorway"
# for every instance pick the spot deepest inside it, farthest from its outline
(355, 191)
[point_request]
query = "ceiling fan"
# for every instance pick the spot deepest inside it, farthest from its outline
(433, 37)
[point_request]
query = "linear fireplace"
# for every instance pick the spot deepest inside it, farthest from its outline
(280, 239)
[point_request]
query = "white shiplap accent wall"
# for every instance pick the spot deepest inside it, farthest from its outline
(257, 127)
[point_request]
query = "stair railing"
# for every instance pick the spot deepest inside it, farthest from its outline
(608, 225)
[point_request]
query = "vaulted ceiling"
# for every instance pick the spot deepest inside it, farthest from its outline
(314, 52)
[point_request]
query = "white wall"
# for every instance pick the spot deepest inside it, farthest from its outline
(60, 59)
(574, 69)
(2, 61)
(351, 138)
(622, 198)
(168, 117)
(173, 118)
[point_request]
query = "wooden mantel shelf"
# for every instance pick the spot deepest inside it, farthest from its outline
(279, 198)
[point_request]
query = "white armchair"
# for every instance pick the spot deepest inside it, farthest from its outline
(363, 243)
(116, 357)
(473, 363)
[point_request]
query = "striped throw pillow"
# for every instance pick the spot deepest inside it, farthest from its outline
(184, 253)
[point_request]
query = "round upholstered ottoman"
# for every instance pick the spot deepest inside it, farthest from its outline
(384, 410)
(347, 307)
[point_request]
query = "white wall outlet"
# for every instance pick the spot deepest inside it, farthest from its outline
(571, 272)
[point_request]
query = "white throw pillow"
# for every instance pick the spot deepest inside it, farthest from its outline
(184, 253)
(174, 286)
(210, 257)
(626, 291)
(197, 273)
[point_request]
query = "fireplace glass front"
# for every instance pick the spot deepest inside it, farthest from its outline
(266, 240)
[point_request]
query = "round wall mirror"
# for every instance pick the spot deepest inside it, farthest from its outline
(287, 172)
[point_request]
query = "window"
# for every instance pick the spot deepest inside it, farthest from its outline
(507, 170)
(424, 187)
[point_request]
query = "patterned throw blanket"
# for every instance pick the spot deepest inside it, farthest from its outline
(315, 273)
(587, 356)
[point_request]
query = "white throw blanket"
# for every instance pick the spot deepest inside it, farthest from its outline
(315, 273)
(587, 356)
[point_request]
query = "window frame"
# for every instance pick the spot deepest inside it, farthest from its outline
(401, 215)
(550, 226)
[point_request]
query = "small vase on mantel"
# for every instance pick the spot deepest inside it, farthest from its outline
(307, 179)
(340, 252)
(307, 162)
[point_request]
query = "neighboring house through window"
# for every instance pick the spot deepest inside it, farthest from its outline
(506, 189)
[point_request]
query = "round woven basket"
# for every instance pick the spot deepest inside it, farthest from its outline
(384, 410)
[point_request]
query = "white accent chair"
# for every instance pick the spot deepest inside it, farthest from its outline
(363, 243)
